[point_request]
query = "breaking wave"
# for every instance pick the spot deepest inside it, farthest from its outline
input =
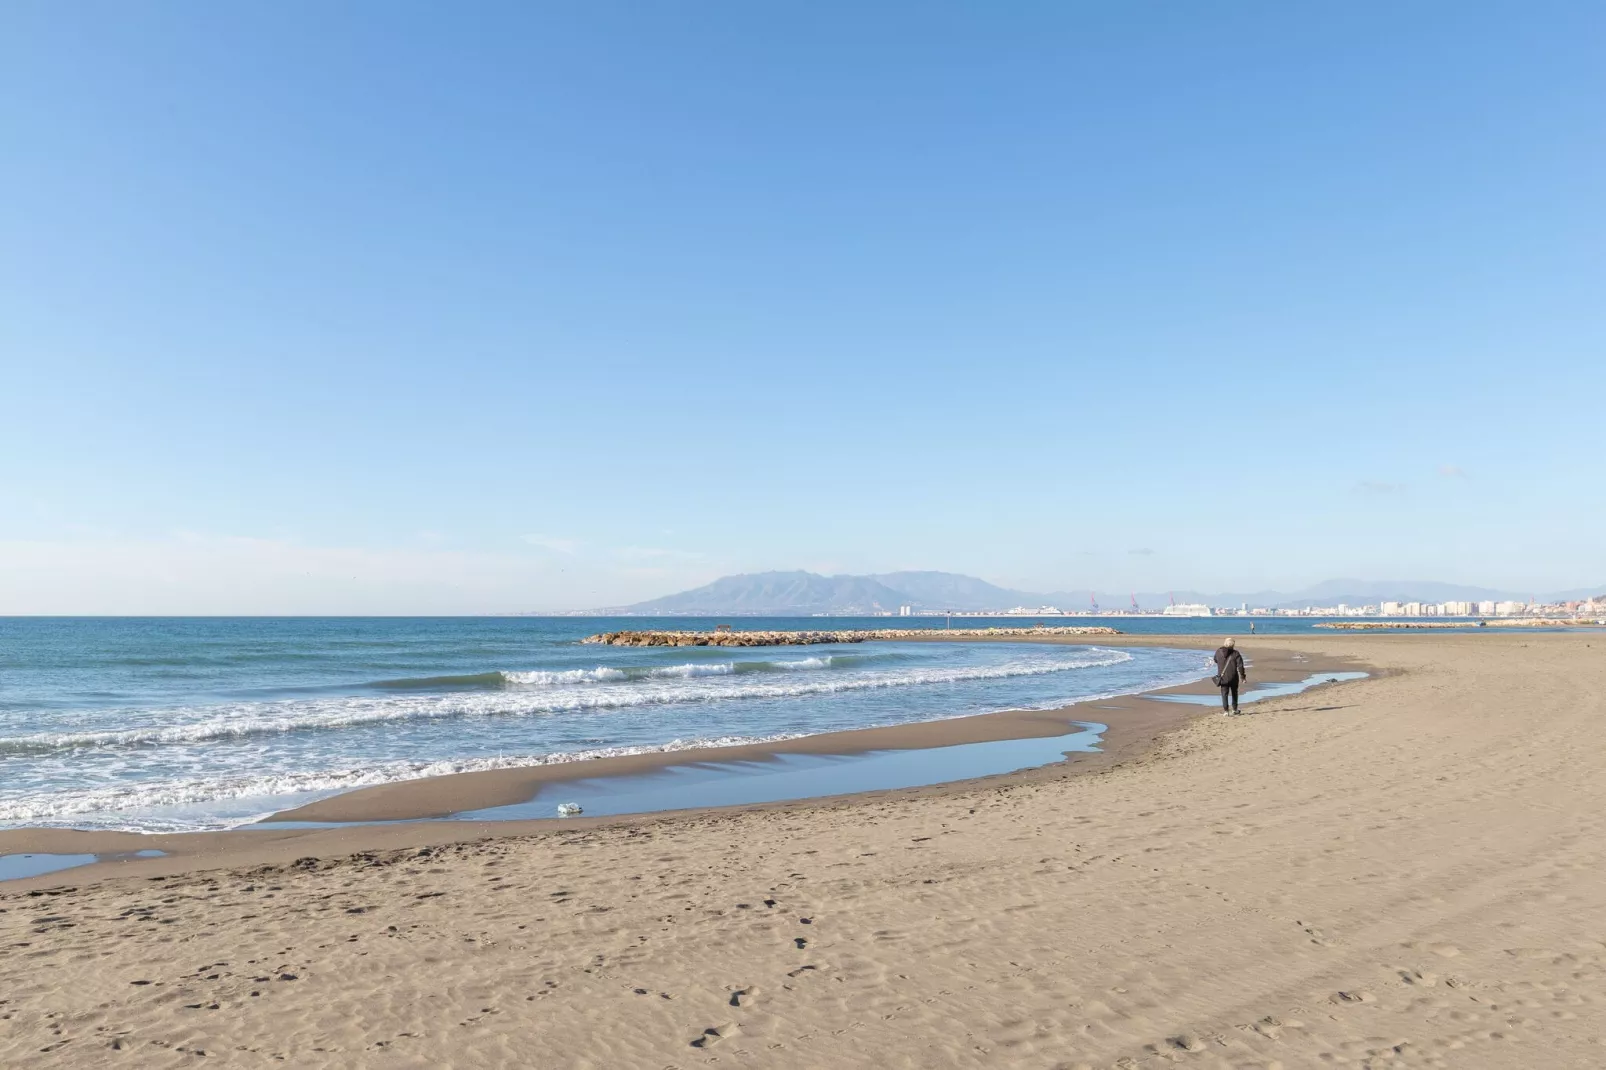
(168, 749)
(497, 681)
(529, 694)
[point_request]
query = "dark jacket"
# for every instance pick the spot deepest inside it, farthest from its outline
(1230, 665)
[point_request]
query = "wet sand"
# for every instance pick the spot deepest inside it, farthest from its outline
(1399, 871)
(1133, 723)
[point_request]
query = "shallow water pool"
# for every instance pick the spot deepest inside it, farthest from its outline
(34, 864)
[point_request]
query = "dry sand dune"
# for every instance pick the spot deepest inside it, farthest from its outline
(1400, 872)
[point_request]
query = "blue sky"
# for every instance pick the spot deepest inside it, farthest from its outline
(415, 308)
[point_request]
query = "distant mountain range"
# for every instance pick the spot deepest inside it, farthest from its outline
(802, 594)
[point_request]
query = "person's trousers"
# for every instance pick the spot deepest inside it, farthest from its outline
(1229, 690)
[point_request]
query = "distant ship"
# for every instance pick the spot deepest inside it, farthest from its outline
(1187, 609)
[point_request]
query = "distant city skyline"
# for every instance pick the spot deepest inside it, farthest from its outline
(371, 308)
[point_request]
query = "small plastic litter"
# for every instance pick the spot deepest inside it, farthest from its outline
(569, 809)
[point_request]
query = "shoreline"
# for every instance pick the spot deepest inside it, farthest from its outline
(1350, 876)
(407, 813)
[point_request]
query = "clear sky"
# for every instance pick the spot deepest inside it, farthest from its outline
(419, 307)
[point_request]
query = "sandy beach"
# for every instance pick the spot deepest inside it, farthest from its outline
(1401, 871)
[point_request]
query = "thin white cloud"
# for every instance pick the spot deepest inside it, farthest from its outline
(1374, 486)
(1452, 471)
(197, 573)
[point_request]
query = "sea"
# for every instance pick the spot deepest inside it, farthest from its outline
(175, 724)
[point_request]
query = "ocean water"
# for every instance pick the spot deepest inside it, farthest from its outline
(172, 724)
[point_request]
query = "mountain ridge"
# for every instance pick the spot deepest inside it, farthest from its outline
(799, 593)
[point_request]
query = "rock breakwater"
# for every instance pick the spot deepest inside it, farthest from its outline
(812, 638)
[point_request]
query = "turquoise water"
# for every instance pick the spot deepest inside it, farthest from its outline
(182, 723)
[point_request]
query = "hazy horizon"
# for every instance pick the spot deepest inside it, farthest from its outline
(1110, 598)
(375, 309)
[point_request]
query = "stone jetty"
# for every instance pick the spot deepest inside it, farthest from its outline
(811, 638)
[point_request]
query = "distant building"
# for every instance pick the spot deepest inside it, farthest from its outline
(1187, 609)
(1486, 609)
(906, 611)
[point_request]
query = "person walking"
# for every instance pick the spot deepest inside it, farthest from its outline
(1230, 671)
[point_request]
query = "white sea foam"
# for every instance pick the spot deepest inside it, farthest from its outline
(217, 765)
(694, 670)
(189, 725)
(569, 676)
(688, 671)
(113, 804)
(807, 663)
(231, 800)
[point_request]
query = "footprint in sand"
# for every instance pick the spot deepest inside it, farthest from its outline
(1316, 935)
(1355, 995)
(713, 1035)
(1419, 977)
(742, 997)
(1271, 1027)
